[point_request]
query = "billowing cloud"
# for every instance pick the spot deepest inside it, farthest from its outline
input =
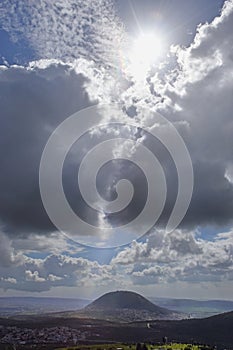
(196, 96)
(163, 259)
(180, 256)
(37, 275)
(203, 91)
(8, 255)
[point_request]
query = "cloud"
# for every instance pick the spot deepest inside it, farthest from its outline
(37, 275)
(209, 50)
(203, 92)
(180, 256)
(160, 247)
(8, 255)
(34, 101)
(54, 242)
(33, 276)
(52, 90)
(196, 95)
(66, 29)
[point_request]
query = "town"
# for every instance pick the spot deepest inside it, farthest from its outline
(54, 335)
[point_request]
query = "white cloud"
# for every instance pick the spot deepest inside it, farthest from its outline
(8, 256)
(66, 29)
(160, 247)
(9, 280)
(55, 270)
(179, 256)
(33, 276)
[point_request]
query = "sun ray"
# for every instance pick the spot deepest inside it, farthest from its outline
(144, 53)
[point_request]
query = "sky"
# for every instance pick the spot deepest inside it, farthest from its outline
(116, 148)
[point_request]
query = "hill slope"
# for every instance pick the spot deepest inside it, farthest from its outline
(125, 300)
(215, 330)
(212, 330)
(126, 306)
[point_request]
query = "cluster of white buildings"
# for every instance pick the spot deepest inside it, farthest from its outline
(64, 335)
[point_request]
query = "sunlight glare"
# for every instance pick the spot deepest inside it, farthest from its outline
(145, 52)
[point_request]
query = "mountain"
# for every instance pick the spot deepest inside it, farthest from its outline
(126, 306)
(125, 300)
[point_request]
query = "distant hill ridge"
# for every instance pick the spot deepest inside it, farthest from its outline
(121, 306)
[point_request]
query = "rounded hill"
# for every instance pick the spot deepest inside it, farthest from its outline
(125, 300)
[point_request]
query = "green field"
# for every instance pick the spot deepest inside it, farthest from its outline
(120, 346)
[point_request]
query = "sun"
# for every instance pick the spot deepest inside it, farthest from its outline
(144, 53)
(147, 47)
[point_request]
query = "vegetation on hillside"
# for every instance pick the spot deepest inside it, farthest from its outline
(121, 346)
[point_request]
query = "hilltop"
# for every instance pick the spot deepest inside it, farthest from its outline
(127, 306)
(125, 300)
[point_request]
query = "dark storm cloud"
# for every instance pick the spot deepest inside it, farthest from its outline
(212, 201)
(34, 101)
(32, 104)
